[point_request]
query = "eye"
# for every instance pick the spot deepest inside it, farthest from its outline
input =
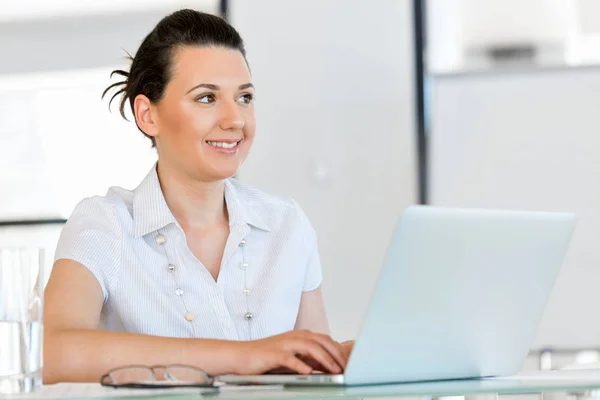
(246, 98)
(206, 98)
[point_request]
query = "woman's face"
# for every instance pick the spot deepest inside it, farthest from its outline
(205, 121)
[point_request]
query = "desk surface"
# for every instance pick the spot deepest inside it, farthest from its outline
(550, 382)
(572, 382)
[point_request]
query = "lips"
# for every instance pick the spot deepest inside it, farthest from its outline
(228, 146)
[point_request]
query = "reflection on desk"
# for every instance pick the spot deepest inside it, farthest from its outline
(568, 382)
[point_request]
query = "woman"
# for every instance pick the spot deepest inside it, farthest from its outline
(191, 267)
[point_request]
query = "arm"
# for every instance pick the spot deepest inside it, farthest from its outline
(76, 351)
(312, 315)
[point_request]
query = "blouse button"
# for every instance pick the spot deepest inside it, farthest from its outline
(248, 316)
(171, 267)
(243, 242)
(160, 240)
(189, 316)
(179, 292)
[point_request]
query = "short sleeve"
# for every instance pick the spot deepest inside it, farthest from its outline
(92, 236)
(313, 275)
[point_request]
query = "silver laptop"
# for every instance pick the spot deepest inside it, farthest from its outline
(460, 295)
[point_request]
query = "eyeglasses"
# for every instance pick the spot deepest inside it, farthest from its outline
(157, 377)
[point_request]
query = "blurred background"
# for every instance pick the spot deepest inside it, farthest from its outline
(363, 108)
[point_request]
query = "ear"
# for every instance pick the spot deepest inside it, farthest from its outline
(145, 115)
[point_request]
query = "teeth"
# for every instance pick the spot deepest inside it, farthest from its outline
(223, 144)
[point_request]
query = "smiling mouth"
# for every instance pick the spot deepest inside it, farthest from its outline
(224, 145)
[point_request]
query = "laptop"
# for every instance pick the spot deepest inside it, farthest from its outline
(460, 295)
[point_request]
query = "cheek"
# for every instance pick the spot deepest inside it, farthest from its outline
(249, 134)
(201, 122)
(196, 124)
(249, 131)
(249, 126)
(170, 120)
(176, 124)
(185, 129)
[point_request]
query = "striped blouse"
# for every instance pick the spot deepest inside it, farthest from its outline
(153, 284)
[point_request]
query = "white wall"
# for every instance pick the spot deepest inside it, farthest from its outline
(335, 128)
(56, 134)
(460, 31)
(588, 12)
(528, 140)
(59, 143)
(23, 10)
(72, 42)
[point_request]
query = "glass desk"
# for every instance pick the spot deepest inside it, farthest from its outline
(570, 385)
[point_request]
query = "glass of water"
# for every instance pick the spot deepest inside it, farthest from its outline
(21, 305)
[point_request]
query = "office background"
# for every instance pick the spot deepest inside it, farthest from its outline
(363, 108)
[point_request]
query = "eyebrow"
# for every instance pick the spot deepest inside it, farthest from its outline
(216, 87)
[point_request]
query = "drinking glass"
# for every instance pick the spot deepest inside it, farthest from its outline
(21, 305)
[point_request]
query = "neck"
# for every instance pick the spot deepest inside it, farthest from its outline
(194, 203)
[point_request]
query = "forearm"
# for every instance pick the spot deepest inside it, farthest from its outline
(85, 355)
(312, 315)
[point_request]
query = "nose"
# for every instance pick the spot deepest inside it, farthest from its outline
(231, 117)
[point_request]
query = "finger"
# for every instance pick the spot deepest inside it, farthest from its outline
(335, 349)
(314, 350)
(348, 347)
(292, 362)
(282, 371)
(314, 364)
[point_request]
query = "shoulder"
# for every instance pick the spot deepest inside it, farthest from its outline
(94, 234)
(112, 211)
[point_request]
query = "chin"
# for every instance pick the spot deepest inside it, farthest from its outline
(219, 174)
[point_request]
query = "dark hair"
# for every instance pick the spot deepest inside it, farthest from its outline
(151, 71)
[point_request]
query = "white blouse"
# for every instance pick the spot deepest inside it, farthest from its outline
(153, 284)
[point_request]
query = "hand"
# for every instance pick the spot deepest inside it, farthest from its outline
(298, 351)
(348, 346)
